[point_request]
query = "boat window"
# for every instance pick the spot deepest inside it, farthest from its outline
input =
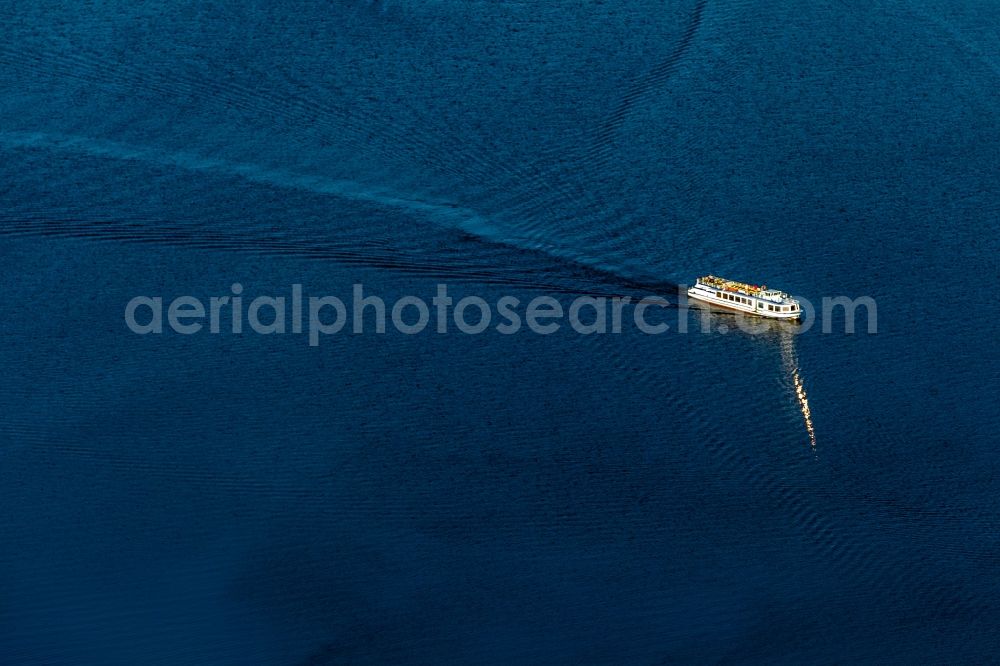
(718, 294)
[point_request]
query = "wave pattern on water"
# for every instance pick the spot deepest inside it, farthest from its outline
(656, 76)
(448, 217)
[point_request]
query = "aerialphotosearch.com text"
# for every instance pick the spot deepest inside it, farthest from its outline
(318, 316)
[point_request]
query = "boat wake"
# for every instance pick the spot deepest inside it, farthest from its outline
(395, 247)
(656, 76)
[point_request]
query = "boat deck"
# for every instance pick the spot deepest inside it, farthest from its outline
(733, 285)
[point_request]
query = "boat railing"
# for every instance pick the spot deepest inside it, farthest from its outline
(743, 288)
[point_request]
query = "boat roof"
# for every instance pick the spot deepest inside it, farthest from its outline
(759, 290)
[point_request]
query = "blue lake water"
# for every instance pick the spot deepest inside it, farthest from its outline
(390, 498)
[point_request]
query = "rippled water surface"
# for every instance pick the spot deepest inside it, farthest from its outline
(384, 498)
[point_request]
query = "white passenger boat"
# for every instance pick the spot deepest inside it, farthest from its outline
(749, 298)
